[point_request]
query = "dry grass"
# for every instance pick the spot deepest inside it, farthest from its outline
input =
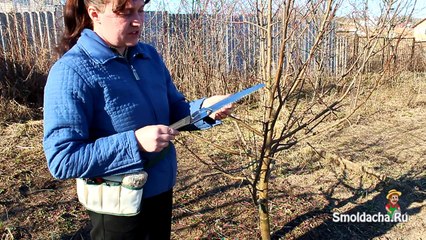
(13, 112)
(33, 204)
(24, 69)
(349, 170)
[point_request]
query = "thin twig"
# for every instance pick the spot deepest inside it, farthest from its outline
(216, 167)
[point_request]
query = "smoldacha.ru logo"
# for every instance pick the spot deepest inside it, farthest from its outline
(393, 212)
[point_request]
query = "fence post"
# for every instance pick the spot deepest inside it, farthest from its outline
(412, 53)
(3, 24)
(356, 49)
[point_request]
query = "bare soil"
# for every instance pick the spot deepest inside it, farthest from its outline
(347, 170)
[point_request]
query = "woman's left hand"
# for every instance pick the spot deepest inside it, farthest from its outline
(221, 113)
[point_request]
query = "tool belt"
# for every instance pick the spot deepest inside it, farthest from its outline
(119, 195)
(115, 195)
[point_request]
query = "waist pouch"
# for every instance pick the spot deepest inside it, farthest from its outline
(114, 195)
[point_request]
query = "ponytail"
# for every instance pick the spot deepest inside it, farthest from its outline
(76, 19)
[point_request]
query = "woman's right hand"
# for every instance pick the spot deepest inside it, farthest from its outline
(155, 138)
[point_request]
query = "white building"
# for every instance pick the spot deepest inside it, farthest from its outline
(419, 31)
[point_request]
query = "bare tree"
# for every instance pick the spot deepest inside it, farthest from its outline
(297, 55)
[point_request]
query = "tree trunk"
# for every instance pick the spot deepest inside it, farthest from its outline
(264, 225)
(263, 193)
(263, 187)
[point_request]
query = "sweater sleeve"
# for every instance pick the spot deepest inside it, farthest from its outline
(70, 151)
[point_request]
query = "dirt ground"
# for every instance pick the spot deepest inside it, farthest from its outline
(348, 171)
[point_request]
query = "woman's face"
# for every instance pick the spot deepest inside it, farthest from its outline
(120, 29)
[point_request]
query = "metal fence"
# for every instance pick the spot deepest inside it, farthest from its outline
(23, 33)
(234, 39)
(226, 43)
(233, 43)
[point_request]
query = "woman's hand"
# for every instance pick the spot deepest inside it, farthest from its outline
(155, 138)
(221, 113)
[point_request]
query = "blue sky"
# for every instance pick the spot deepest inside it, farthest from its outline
(175, 6)
(374, 7)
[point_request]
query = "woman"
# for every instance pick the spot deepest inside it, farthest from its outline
(108, 103)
